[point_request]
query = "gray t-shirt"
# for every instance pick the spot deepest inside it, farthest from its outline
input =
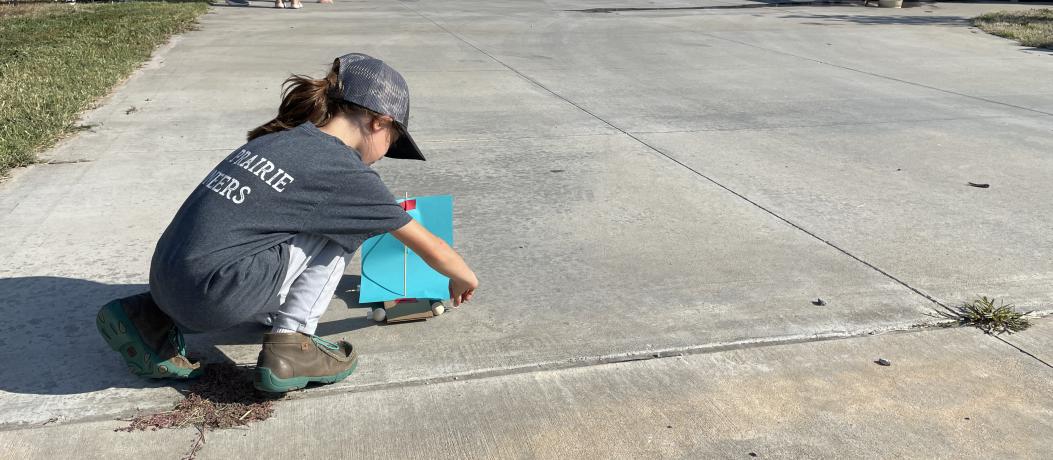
(225, 254)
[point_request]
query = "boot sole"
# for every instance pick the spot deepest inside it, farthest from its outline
(119, 333)
(265, 380)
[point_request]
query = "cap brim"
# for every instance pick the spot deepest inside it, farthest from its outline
(405, 148)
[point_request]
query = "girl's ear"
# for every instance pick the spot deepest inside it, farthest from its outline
(376, 124)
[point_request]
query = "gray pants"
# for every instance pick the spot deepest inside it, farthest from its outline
(316, 264)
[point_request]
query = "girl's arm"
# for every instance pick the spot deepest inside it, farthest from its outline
(440, 256)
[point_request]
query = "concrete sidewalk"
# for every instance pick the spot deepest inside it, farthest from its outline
(946, 395)
(627, 184)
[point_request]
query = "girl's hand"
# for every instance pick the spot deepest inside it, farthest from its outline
(442, 258)
(462, 291)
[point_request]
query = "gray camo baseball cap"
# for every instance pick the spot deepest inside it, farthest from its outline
(369, 82)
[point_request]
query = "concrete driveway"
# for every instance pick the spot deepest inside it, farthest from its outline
(632, 184)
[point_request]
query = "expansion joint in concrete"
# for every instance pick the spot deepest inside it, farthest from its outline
(65, 162)
(632, 356)
(1036, 358)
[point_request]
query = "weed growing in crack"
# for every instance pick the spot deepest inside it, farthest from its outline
(983, 314)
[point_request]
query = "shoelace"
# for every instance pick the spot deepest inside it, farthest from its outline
(176, 338)
(324, 343)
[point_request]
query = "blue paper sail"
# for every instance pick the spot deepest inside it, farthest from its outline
(392, 271)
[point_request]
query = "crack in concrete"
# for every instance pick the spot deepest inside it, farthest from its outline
(65, 162)
(1000, 339)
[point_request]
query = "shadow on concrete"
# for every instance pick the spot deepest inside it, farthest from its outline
(1048, 51)
(49, 344)
(252, 332)
(347, 291)
(881, 20)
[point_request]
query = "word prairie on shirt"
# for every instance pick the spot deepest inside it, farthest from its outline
(258, 166)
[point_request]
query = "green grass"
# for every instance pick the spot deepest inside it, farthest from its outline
(57, 59)
(983, 313)
(1029, 27)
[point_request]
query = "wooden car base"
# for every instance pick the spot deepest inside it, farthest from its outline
(402, 310)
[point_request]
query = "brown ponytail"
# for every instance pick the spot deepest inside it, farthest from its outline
(305, 99)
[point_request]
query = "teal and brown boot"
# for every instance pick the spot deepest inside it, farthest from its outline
(290, 361)
(149, 341)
